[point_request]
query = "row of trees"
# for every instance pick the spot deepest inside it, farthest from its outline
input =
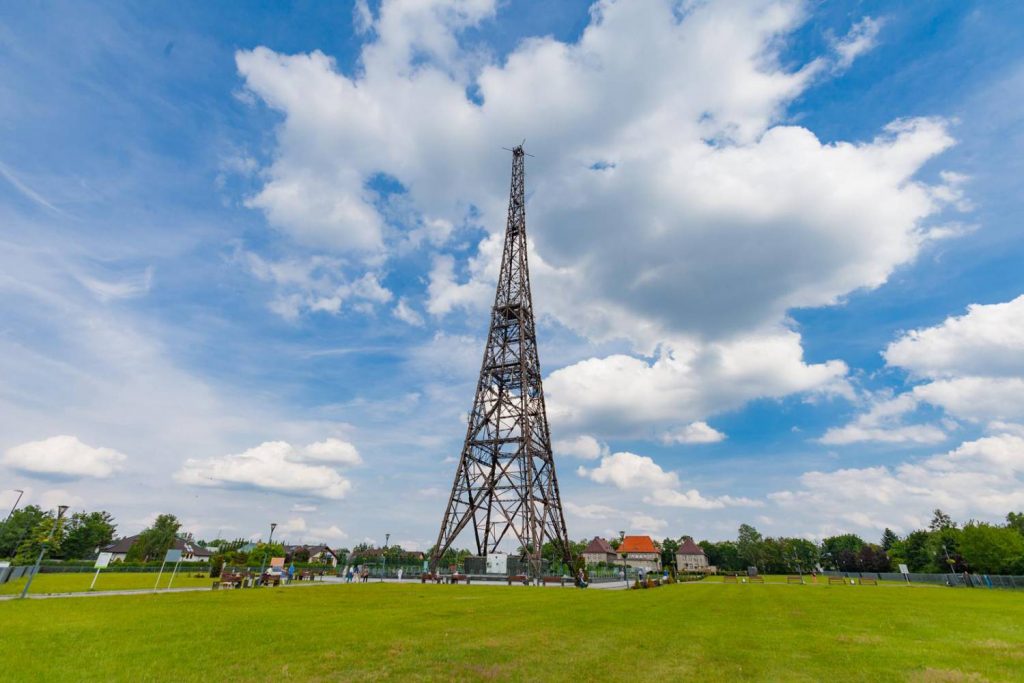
(74, 537)
(943, 547)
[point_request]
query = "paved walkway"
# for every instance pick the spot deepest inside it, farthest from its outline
(330, 580)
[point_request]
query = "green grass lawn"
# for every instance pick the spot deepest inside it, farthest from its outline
(77, 583)
(707, 631)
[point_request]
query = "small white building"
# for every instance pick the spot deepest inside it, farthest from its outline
(598, 551)
(690, 557)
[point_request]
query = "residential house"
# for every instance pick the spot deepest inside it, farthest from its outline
(690, 557)
(318, 554)
(640, 552)
(190, 550)
(598, 551)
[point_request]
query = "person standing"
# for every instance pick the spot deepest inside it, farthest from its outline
(399, 574)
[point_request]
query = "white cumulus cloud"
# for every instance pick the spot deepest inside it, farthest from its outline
(584, 447)
(979, 479)
(277, 466)
(65, 457)
(695, 432)
(632, 472)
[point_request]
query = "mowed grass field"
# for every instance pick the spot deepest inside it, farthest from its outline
(78, 583)
(361, 632)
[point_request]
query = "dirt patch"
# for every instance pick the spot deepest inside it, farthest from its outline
(481, 672)
(859, 639)
(946, 676)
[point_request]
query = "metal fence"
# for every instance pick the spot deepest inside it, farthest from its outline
(953, 580)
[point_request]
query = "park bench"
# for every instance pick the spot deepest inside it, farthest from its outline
(427, 577)
(553, 579)
(455, 578)
(868, 582)
(794, 579)
(518, 578)
(269, 579)
(836, 580)
(230, 580)
(756, 579)
(730, 578)
(306, 575)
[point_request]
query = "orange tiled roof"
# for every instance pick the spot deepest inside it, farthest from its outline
(637, 544)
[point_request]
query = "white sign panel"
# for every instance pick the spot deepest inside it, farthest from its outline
(904, 569)
(103, 560)
(173, 556)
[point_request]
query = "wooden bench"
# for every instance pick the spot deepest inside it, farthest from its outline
(756, 579)
(836, 580)
(868, 582)
(519, 578)
(427, 577)
(455, 578)
(553, 579)
(229, 580)
(794, 579)
(730, 578)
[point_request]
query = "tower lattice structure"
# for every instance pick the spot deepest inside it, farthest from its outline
(505, 486)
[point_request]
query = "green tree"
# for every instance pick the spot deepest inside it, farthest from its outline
(840, 552)
(86, 533)
(749, 545)
(889, 539)
(941, 521)
(991, 549)
(668, 551)
(154, 542)
(18, 527)
(803, 555)
(1014, 520)
(918, 552)
(48, 532)
(264, 551)
(723, 555)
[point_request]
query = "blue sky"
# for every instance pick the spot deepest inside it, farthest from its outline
(246, 253)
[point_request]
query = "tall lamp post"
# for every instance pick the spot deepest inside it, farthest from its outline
(61, 509)
(387, 537)
(273, 525)
(625, 575)
(13, 507)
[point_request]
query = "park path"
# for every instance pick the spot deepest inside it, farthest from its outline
(609, 585)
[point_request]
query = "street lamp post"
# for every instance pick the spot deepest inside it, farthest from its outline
(273, 525)
(61, 509)
(384, 568)
(625, 575)
(13, 507)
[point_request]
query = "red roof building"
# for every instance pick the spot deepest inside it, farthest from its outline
(640, 552)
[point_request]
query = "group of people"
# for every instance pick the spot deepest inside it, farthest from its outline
(361, 573)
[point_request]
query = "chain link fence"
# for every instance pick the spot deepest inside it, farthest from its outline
(954, 580)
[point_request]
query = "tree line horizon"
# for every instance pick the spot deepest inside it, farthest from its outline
(944, 546)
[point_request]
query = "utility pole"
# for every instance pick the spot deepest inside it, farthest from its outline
(13, 508)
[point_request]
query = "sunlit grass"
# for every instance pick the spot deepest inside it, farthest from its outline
(77, 583)
(357, 632)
